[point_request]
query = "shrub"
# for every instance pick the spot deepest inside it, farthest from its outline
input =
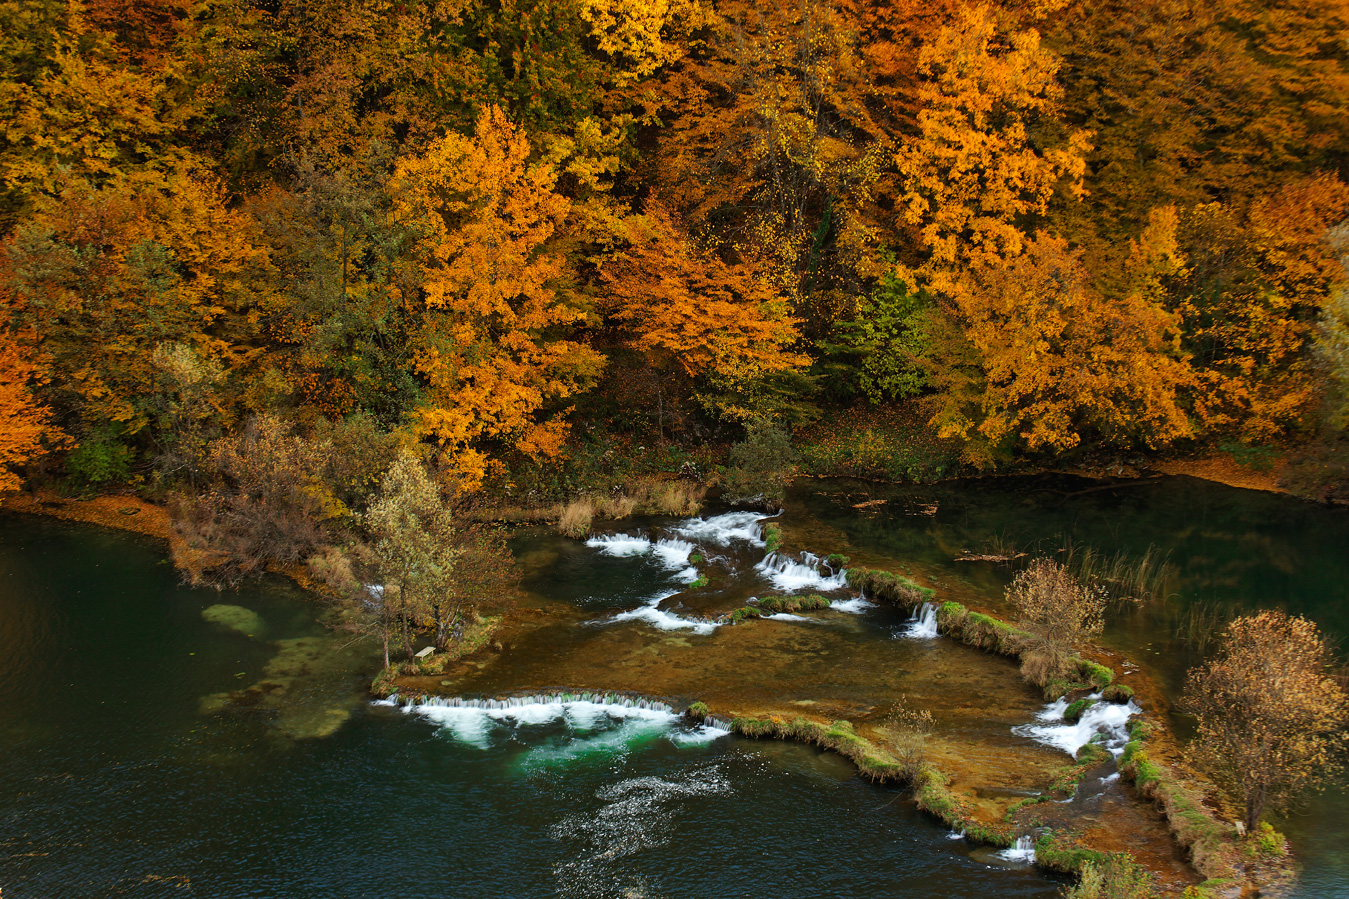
(761, 466)
(1059, 614)
(1116, 876)
(1272, 716)
(99, 460)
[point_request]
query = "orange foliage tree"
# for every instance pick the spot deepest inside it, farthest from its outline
(103, 277)
(26, 426)
(1050, 360)
(719, 326)
(491, 344)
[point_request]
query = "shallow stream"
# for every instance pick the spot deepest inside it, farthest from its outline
(157, 737)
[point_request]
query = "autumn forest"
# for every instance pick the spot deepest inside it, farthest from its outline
(522, 236)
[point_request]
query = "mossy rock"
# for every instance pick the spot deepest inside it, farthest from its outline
(1117, 693)
(235, 618)
(1073, 713)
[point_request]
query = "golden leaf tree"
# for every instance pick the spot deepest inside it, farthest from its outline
(25, 424)
(489, 346)
(1272, 717)
(716, 326)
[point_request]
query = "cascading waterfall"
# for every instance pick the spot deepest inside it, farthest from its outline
(789, 575)
(1023, 850)
(1108, 720)
(620, 544)
(722, 529)
(923, 624)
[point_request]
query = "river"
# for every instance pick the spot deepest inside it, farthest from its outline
(158, 738)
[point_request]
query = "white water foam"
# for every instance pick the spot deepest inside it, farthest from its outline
(1109, 719)
(636, 815)
(658, 618)
(1022, 851)
(705, 733)
(789, 575)
(671, 552)
(923, 624)
(855, 606)
(788, 616)
(599, 723)
(620, 544)
(722, 529)
(674, 554)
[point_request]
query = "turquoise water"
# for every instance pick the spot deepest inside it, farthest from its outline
(126, 774)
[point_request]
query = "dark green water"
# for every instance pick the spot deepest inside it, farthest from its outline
(146, 748)
(125, 772)
(1242, 548)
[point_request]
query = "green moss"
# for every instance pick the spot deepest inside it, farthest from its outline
(1099, 675)
(884, 586)
(1117, 693)
(700, 582)
(836, 561)
(695, 558)
(698, 711)
(1073, 713)
(772, 537)
(1061, 852)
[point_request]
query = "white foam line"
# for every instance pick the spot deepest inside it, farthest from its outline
(855, 606)
(620, 544)
(658, 618)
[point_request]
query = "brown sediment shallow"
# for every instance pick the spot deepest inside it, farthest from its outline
(825, 670)
(125, 513)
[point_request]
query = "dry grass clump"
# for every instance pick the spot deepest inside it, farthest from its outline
(614, 506)
(576, 517)
(678, 497)
(649, 495)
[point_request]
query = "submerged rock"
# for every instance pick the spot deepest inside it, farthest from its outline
(235, 618)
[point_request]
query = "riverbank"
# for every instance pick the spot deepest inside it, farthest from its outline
(125, 512)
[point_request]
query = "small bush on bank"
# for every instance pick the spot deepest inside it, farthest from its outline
(1060, 614)
(761, 466)
(1116, 876)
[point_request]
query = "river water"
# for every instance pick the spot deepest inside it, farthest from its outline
(157, 738)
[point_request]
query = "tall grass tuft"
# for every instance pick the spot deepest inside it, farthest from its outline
(576, 517)
(1124, 578)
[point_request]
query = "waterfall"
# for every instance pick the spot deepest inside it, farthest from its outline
(789, 575)
(1107, 719)
(1023, 850)
(620, 544)
(923, 624)
(592, 721)
(722, 529)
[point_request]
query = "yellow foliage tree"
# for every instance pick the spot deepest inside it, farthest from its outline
(1051, 360)
(973, 175)
(25, 424)
(713, 323)
(489, 347)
